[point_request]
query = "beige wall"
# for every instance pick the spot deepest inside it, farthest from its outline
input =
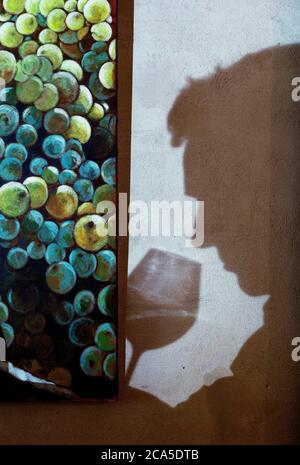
(209, 330)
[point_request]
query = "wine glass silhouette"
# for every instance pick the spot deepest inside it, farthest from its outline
(162, 302)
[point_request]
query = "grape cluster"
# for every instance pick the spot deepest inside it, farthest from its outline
(57, 163)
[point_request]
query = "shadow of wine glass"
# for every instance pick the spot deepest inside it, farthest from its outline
(162, 303)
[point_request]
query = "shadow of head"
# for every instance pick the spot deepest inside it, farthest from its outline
(240, 130)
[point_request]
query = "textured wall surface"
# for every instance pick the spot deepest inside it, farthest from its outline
(209, 330)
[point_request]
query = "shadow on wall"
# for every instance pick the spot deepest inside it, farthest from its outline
(240, 131)
(162, 303)
(241, 136)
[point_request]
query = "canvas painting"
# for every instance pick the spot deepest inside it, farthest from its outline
(58, 265)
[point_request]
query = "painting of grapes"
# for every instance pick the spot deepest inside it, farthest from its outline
(58, 296)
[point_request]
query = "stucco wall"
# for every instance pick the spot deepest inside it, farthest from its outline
(210, 328)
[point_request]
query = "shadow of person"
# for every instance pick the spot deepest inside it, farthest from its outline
(240, 132)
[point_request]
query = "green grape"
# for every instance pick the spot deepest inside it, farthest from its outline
(20, 75)
(106, 266)
(82, 33)
(83, 103)
(36, 250)
(48, 99)
(48, 232)
(75, 21)
(56, 20)
(14, 199)
(101, 58)
(105, 106)
(37, 164)
(79, 129)
(17, 258)
(33, 117)
(67, 86)
(48, 5)
(96, 113)
(29, 47)
(56, 121)
(46, 36)
(88, 61)
(84, 263)
(32, 7)
(104, 193)
(99, 47)
(67, 177)
(90, 360)
(31, 65)
(107, 75)
(72, 67)
(53, 53)
(110, 366)
(46, 69)
(90, 233)
(65, 236)
(112, 228)
(85, 190)
(9, 36)
(112, 49)
(8, 66)
(38, 190)
(70, 5)
(55, 145)
(96, 11)
(42, 21)
(105, 337)
(81, 4)
(55, 254)
(101, 31)
(10, 169)
(26, 135)
(68, 37)
(15, 7)
(70, 160)
(4, 17)
(62, 203)
(26, 24)
(32, 222)
(72, 50)
(75, 146)
(109, 123)
(50, 174)
(84, 302)
(30, 90)
(86, 208)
